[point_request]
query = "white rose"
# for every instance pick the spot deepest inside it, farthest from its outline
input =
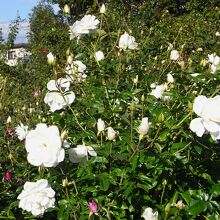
(207, 108)
(58, 101)
(158, 91)
(80, 153)
(37, 197)
(111, 134)
(86, 25)
(99, 55)
(144, 127)
(170, 78)
(215, 62)
(174, 55)
(75, 71)
(66, 144)
(197, 126)
(100, 125)
(59, 84)
(43, 146)
(51, 58)
(209, 121)
(214, 59)
(127, 42)
(59, 95)
(149, 215)
(21, 131)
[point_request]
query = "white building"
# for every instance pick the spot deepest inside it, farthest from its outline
(16, 53)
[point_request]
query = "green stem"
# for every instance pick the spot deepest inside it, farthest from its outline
(182, 120)
(182, 148)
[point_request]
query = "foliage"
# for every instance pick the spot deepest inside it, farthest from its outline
(170, 169)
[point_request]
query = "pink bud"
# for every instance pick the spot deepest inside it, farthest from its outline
(93, 206)
(10, 132)
(36, 93)
(20, 181)
(8, 176)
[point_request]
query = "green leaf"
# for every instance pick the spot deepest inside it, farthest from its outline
(134, 162)
(104, 181)
(187, 197)
(99, 160)
(198, 207)
(215, 190)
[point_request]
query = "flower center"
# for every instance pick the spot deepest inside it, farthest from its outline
(43, 145)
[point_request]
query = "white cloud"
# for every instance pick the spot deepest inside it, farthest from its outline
(56, 8)
(23, 30)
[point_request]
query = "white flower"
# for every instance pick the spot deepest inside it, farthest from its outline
(51, 58)
(86, 25)
(170, 78)
(60, 84)
(58, 101)
(158, 91)
(75, 72)
(214, 59)
(37, 197)
(197, 126)
(66, 144)
(66, 9)
(21, 131)
(144, 127)
(215, 62)
(100, 125)
(127, 42)
(135, 80)
(214, 68)
(195, 74)
(102, 9)
(59, 95)
(70, 59)
(153, 85)
(80, 153)
(208, 110)
(170, 46)
(99, 55)
(8, 121)
(166, 98)
(217, 34)
(149, 215)
(174, 55)
(43, 146)
(111, 134)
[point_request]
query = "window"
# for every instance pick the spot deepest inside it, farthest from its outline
(11, 55)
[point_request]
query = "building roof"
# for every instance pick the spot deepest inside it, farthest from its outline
(24, 45)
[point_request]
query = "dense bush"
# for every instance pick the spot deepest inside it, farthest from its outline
(148, 93)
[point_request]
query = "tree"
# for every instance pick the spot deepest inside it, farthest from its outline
(47, 30)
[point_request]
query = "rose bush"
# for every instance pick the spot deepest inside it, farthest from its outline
(113, 138)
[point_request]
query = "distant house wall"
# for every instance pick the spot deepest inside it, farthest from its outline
(19, 51)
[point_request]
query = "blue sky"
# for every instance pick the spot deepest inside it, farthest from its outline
(9, 9)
